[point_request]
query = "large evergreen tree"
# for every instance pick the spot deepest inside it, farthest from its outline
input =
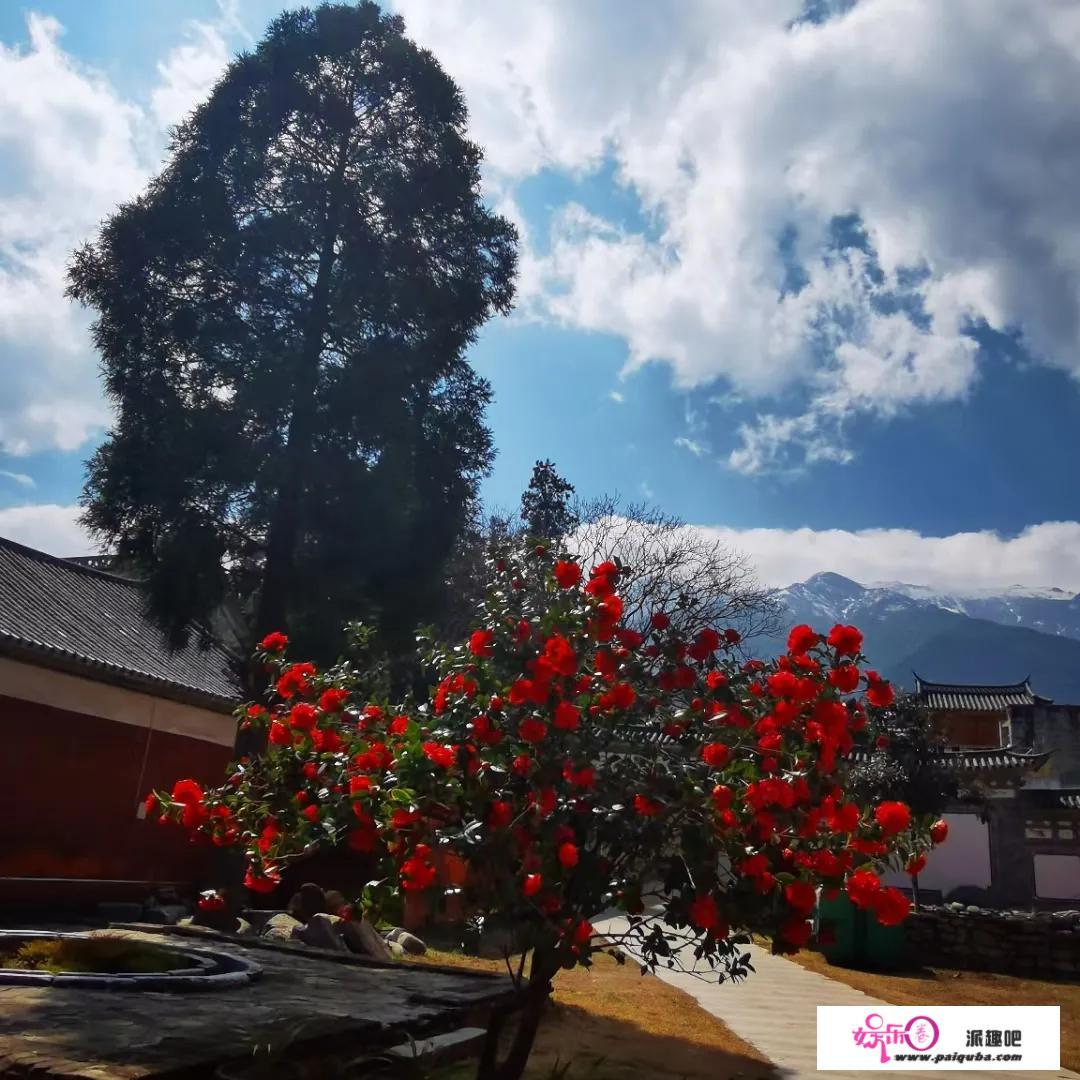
(546, 509)
(282, 318)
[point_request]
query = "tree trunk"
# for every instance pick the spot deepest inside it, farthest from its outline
(283, 534)
(542, 970)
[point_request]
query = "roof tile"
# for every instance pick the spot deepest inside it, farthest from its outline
(97, 621)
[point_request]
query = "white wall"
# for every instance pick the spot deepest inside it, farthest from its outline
(1057, 877)
(71, 692)
(964, 858)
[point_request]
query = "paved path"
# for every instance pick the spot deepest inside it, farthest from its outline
(775, 1009)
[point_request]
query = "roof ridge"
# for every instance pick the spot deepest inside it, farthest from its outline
(66, 564)
(978, 686)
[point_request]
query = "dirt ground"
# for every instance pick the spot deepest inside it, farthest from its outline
(613, 1023)
(948, 986)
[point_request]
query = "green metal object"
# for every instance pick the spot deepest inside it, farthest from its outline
(858, 939)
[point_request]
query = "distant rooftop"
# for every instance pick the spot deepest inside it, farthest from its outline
(1002, 759)
(65, 614)
(982, 697)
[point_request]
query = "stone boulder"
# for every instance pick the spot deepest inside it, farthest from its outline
(323, 931)
(361, 937)
(282, 927)
(410, 943)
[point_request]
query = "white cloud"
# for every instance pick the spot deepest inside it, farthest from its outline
(617, 397)
(1045, 554)
(188, 72)
(949, 130)
(18, 478)
(47, 527)
(696, 448)
(73, 148)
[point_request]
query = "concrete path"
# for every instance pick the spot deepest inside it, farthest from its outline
(775, 1009)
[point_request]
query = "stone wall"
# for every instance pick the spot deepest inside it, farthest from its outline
(1055, 728)
(1018, 943)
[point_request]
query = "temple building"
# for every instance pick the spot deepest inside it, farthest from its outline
(1021, 753)
(95, 710)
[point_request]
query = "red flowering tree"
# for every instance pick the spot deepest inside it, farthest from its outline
(577, 765)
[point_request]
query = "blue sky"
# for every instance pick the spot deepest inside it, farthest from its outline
(814, 285)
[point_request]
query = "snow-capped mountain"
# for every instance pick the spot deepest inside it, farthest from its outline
(995, 637)
(1049, 610)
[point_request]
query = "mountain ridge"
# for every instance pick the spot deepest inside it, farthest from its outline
(993, 638)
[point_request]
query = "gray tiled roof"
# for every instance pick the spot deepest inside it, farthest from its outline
(60, 614)
(1053, 798)
(982, 697)
(989, 760)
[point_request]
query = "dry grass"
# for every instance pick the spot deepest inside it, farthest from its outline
(102, 954)
(615, 1024)
(947, 986)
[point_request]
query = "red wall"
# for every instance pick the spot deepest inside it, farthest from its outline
(70, 790)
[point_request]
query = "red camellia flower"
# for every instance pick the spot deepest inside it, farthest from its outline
(916, 865)
(708, 641)
(796, 931)
(333, 700)
(265, 881)
(568, 855)
(296, 679)
(845, 678)
(274, 642)
(939, 831)
(190, 794)
(715, 755)
(532, 884)
(402, 819)
(480, 643)
(399, 725)
(567, 573)
(582, 933)
(703, 912)
(620, 696)
(559, 654)
(893, 817)
(303, 716)
(532, 729)
(645, 806)
(722, 796)
(444, 756)
(801, 896)
(602, 580)
(846, 640)
(500, 815)
(659, 621)
(416, 874)
(311, 812)
(802, 638)
(567, 717)
(211, 901)
(878, 692)
(862, 888)
(890, 907)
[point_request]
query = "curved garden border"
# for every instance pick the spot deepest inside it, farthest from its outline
(208, 970)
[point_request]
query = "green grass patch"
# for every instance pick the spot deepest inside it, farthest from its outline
(101, 955)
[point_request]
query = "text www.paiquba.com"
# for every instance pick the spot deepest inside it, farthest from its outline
(935, 1058)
